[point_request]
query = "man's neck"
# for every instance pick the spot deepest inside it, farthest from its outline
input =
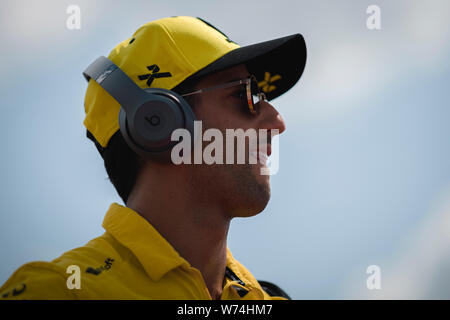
(196, 230)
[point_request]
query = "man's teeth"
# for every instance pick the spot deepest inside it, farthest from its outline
(262, 157)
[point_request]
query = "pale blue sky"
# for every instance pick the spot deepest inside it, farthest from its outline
(364, 173)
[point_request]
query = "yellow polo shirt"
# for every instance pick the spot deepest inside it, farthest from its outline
(131, 260)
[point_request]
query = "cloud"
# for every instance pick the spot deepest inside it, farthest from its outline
(427, 28)
(422, 266)
(349, 64)
(40, 26)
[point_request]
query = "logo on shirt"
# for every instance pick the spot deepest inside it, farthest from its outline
(97, 271)
(16, 291)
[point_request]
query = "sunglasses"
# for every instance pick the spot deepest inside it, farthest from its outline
(253, 93)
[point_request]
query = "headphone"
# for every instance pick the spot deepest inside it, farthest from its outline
(147, 117)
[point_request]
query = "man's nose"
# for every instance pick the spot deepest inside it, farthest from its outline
(271, 118)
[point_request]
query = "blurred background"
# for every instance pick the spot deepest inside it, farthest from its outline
(364, 174)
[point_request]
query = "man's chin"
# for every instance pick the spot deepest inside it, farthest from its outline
(243, 191)
(249, 209)
(254, 193)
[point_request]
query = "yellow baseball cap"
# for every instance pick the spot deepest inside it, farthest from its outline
(165, 52)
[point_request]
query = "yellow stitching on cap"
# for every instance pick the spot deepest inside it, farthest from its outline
(266, 84)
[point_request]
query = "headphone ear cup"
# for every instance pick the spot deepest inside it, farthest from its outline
(149, 128)
(188, 115)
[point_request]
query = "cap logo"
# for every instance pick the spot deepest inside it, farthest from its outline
(266, 84)
(155, 74)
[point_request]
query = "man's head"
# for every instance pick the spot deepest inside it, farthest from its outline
(239, 187)
(184, 54)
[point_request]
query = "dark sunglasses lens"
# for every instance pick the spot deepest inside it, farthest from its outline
(255, 94)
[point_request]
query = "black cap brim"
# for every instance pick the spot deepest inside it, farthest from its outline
(277, 64)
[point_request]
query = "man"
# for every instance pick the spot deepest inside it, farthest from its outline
(169, 241)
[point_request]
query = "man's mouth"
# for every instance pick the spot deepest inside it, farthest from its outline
(262, 154)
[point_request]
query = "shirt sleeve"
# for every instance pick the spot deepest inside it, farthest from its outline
(37, 281)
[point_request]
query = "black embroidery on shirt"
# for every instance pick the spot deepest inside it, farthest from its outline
(97, 271)
(16, 291)
(233, 277)
(93, 271)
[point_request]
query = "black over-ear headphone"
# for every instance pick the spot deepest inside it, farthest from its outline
(147, 117)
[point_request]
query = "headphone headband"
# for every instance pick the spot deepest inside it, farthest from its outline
(116, 83)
